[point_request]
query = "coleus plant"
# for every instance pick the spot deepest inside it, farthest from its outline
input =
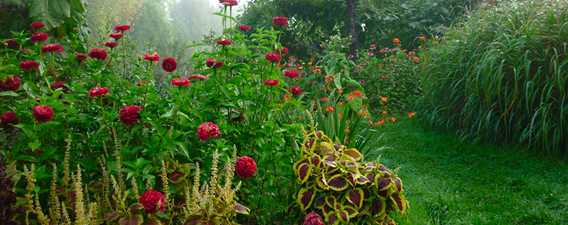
(338, 184)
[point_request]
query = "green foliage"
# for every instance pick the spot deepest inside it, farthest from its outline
(337, 183)
(502, 76)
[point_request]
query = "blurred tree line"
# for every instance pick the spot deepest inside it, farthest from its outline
(374, 21)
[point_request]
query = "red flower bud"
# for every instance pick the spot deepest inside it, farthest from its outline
(116, 36)
(122, 28)
(296, 90)
(29, 65)
(273, 57)
(181, 82)
(271, 82)
(153, 201)
(280, 21)
(58, 85)
(39, 37)
(80, 56)
(210, 62)
(98, 91)
(37, 25)
(291, 73)
(98, 53)
(245, 167)
(111, 44)
(56, 48)
(169, 64)
(42, 113)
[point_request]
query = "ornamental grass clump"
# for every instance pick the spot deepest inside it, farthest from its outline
(502, 76)
(337, 184)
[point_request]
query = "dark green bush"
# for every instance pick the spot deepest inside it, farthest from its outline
(502, 76)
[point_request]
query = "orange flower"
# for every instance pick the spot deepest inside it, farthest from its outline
(324, 99)
(329, 78)
(392, 120)
(286, 97)
(396, 41)
(330, 109)
(354, 94)
(384, 99)
(317, 70)
(340, 91)
(384, 112)
(411, 115)
(380, 122)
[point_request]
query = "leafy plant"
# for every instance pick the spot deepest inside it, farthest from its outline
(337, 183)
(501, 76)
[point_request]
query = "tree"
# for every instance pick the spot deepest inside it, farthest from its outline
(353, 26)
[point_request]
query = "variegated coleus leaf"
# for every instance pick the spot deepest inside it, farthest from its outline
(325, 148)
(241, 209)
(330, 201)
(319, 202)
(315, 160)
(331, 218)
(305, 198)
(353, 153)
(338, 182)
(382, 183)
(399, 201)
(330, 161)
(356, 197)
(351, 211)
(303, 170)
(378, 207)
(343, 216)
(398, 184)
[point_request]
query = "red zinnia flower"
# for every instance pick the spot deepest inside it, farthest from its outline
(224, 42)
(98, 53)
(153, 201)
(210, 62)
(313, 219)
(245, 167)
(57, 85)
(291, 73)
(80, 56)
(329, 109)
(98, 91)
(198, 77)
(111, 44)
(284, 51)
(39, 36)
(57, 48)
(169, 64)
(208, 130)
(42, 113)
(37, 25)
(280, 21)
(122, 27)
(130, 114)
(229, 2)
(116, 36)
(152, 57)
(296, 90)
(181, 82)
(271, 82)
(245, 27)
(11, 83)
(273, 57)
(29, 65)
(8, 117)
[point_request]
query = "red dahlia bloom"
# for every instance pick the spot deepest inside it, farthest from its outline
(271, 82)
(98, 53)
(99, 91)
(11, 83)
(153, 201)
(57, 48)
(57, 85)
(11, 43)
(152, 57)
(198, 77)
(169, 64)
(80, 56)
(122, 27)
(116, 36)
(245, 27)
(280, 21)
(273, 57)
(29, 65)
(291, 73)
(210, 62)
(296, 90)
(39, 37)
(37, 25)
(130, 114)
(245, 167)
(181, 82)
(224, 42)
(111, 44)
(313, 219)
(208, 130)
(8, 117)
(42, 113)
(229, 2)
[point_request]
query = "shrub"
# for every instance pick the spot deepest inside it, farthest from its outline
(337, 184)
(502, 76)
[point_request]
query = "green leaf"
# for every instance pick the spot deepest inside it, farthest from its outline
(8, 94)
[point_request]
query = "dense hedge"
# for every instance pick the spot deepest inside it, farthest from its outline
(502, 76)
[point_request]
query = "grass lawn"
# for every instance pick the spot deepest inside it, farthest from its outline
(448, 181)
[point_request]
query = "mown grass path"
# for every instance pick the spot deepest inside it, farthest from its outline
(448, 181)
